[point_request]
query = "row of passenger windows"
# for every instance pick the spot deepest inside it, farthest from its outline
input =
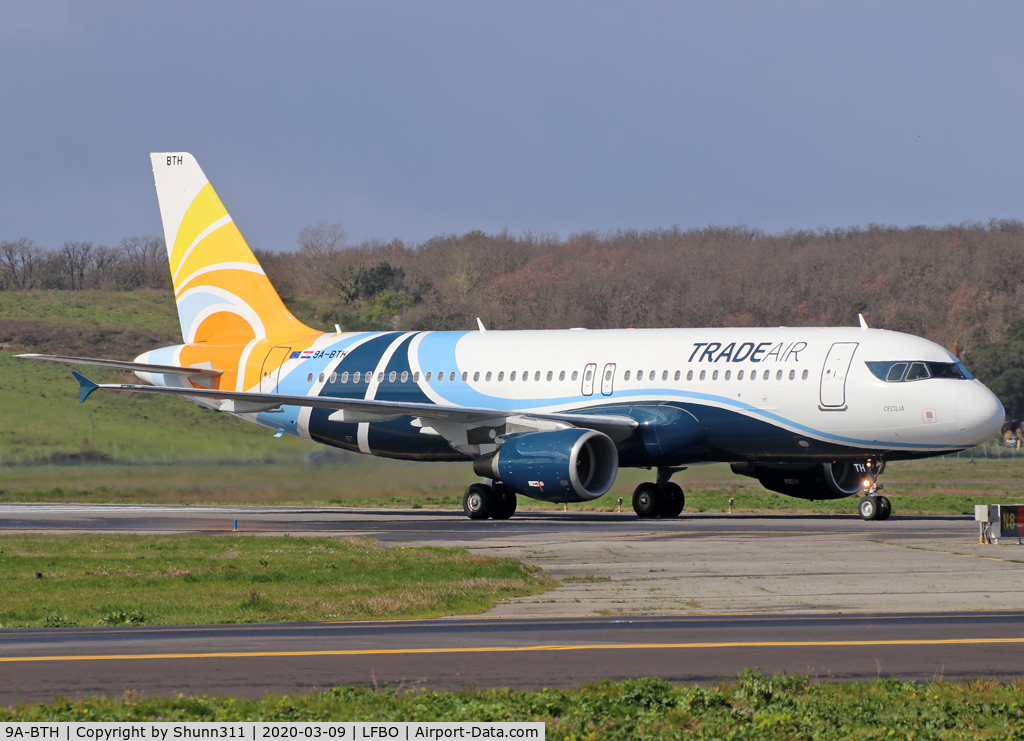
(652, 376)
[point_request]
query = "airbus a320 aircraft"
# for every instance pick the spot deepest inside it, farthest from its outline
(551, 415)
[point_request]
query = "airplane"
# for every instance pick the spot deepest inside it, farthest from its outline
(552, 415)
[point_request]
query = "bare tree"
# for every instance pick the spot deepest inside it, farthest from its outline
(71, 262)
(20, 263)
(145, 262)
(319, 246)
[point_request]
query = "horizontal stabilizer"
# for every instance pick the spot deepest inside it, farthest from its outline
(603, 422)
(86, 386)
(171, 370)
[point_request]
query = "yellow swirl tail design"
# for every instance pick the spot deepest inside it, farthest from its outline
(223, 295)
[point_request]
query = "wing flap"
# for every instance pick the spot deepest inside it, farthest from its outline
(370, 409)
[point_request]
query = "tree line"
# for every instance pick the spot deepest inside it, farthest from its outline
(961, 286)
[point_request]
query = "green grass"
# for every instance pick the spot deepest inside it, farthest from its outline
(753, 706)
(351, 480)
(151, 310)
(65, 580)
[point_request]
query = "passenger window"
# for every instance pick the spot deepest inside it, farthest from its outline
(714, 375)
(550, 375)
(689, 375)
(792, 375)
(917, 372)
(753, 375)
(451, 376)
(392, 376)
(487, 378)
(501, 376)
(766, 375)
(511, 377)
(588, 375)
(625, 376)
(465, 376)
(895, 372)
(380, 376)
(561, 376)
(573, 378)
(678, 373)
(405, 376)
(778, 375)
(805, 374)
(355, 377)
(426, 378)
(728, 375)
(702, 374)
(639, 375)
(416, 376)
(526, 375)
(664, 375)
(321, 378)
(739, 375)
(334, 378)
(476, 375)
(309, 378)
(344, 377)
(536, 376)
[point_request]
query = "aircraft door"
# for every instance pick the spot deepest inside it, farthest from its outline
(588, 379)
(271, 371)
(833, 376)
(608, 379)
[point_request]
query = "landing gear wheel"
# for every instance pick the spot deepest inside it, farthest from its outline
(869, 508)
(884, 508)
(647, 500)
(478, 501)
(504, 501)
(673, 500)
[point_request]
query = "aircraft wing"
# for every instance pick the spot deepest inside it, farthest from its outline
(363, 410)
(172, 370)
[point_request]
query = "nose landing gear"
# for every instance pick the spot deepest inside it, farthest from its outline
(873, 506)
(661, 499)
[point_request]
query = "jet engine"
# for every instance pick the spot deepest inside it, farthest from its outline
(571, 465)
(832, 480)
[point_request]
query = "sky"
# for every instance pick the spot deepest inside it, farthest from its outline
(411, 120)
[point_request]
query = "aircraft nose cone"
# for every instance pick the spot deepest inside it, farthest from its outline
(979, 414)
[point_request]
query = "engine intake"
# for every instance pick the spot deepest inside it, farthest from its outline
(560, 466)
(832, 480)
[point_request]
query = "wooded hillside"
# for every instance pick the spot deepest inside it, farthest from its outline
(960, 286)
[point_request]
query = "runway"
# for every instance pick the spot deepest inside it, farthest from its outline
(250, 660)
(443, 525)
(692, 599)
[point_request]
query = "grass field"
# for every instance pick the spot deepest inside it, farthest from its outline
(942, 486)
(66, 580)
(753, 706)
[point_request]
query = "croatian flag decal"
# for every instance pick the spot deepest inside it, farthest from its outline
(306, 354)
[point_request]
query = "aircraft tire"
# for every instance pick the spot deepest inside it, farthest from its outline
(884, 508)
(504, 502)
(647, 500)
(673, 500)
(478, 501)
(868, 508)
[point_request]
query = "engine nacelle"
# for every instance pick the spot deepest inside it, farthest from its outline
(560, 466)
(833, 480)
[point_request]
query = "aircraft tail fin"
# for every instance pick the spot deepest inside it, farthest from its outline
(223, 295)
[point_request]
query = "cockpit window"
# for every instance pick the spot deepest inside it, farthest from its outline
(896, 372)
(917, 372)
(945, 370)
(909, 370)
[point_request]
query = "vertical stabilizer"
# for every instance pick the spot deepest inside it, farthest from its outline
(223, 295)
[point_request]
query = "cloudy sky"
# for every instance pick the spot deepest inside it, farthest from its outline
(412, 119)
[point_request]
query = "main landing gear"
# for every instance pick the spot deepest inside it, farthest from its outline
(660, 499)
(873, 506)
(488, 500)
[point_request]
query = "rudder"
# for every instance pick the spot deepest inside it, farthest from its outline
(223, 295)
